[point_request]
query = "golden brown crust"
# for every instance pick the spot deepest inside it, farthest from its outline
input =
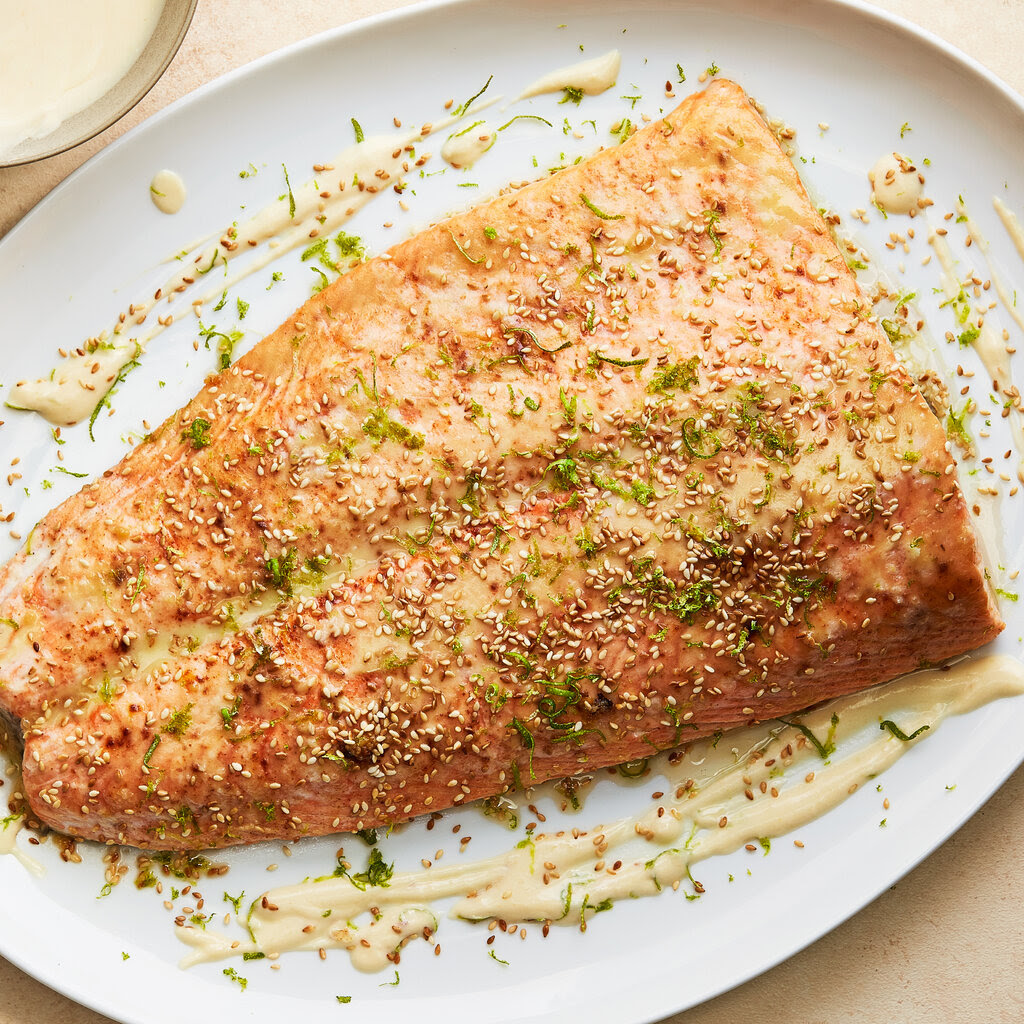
(615, 460)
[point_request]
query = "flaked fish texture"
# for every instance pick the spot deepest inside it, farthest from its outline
(616, 460)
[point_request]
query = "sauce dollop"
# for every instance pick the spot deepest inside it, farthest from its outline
(465, 147)
(167, 191)
(896, 184)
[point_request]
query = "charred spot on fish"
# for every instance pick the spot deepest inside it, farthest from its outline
(120, 739)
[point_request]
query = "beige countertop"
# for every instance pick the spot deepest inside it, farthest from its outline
(944, 944)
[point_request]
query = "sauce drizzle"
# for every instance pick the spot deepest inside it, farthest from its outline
(361, 172)
(752, 784)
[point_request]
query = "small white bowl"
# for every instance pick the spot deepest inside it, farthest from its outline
(118, 100)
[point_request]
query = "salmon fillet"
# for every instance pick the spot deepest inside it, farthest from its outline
(618, 459)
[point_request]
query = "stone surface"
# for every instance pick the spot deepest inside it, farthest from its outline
(944, 944)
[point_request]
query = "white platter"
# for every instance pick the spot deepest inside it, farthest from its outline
(96, 244)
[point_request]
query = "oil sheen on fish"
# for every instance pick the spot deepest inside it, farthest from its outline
(618, 459)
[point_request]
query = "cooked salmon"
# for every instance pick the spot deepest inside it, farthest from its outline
(615, 460)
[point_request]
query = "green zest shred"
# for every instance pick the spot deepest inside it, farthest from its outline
(319, 250)
(969, 335)
(197, 433)
(525, 117)
(955, 428)
(179, 721)
(526, 737)
(598, 212)
(642, 492)
(235, 901)
(378, 872)
(887, 723)
(464, 107)
(152, 750)
(876, 379)
(459, 246)
(566, 474)
(228, 715)
(694, 440)
(104, 402)
(624, 130)
(824, 749)
(597, 358)
(291, 195)
(230, 972)
(682, 375)
(568, 406)
(711, 218)
(380, 427)
(278, 572)
(227, 341)
(510, 331)
(349, 246)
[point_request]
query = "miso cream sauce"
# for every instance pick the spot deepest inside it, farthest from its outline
(982, 243)
(465, 147)
(167, 190)
(72, 390)
(58, 56)
(12, 825)
(1011, 223)
(9, 846)
(706, 811)
(360, 173)
(989, 345)
(896, 184)
(590, 77)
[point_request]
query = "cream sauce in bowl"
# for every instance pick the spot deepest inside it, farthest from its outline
(58, 57)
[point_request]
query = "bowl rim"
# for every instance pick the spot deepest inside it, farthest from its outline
(132, 101)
